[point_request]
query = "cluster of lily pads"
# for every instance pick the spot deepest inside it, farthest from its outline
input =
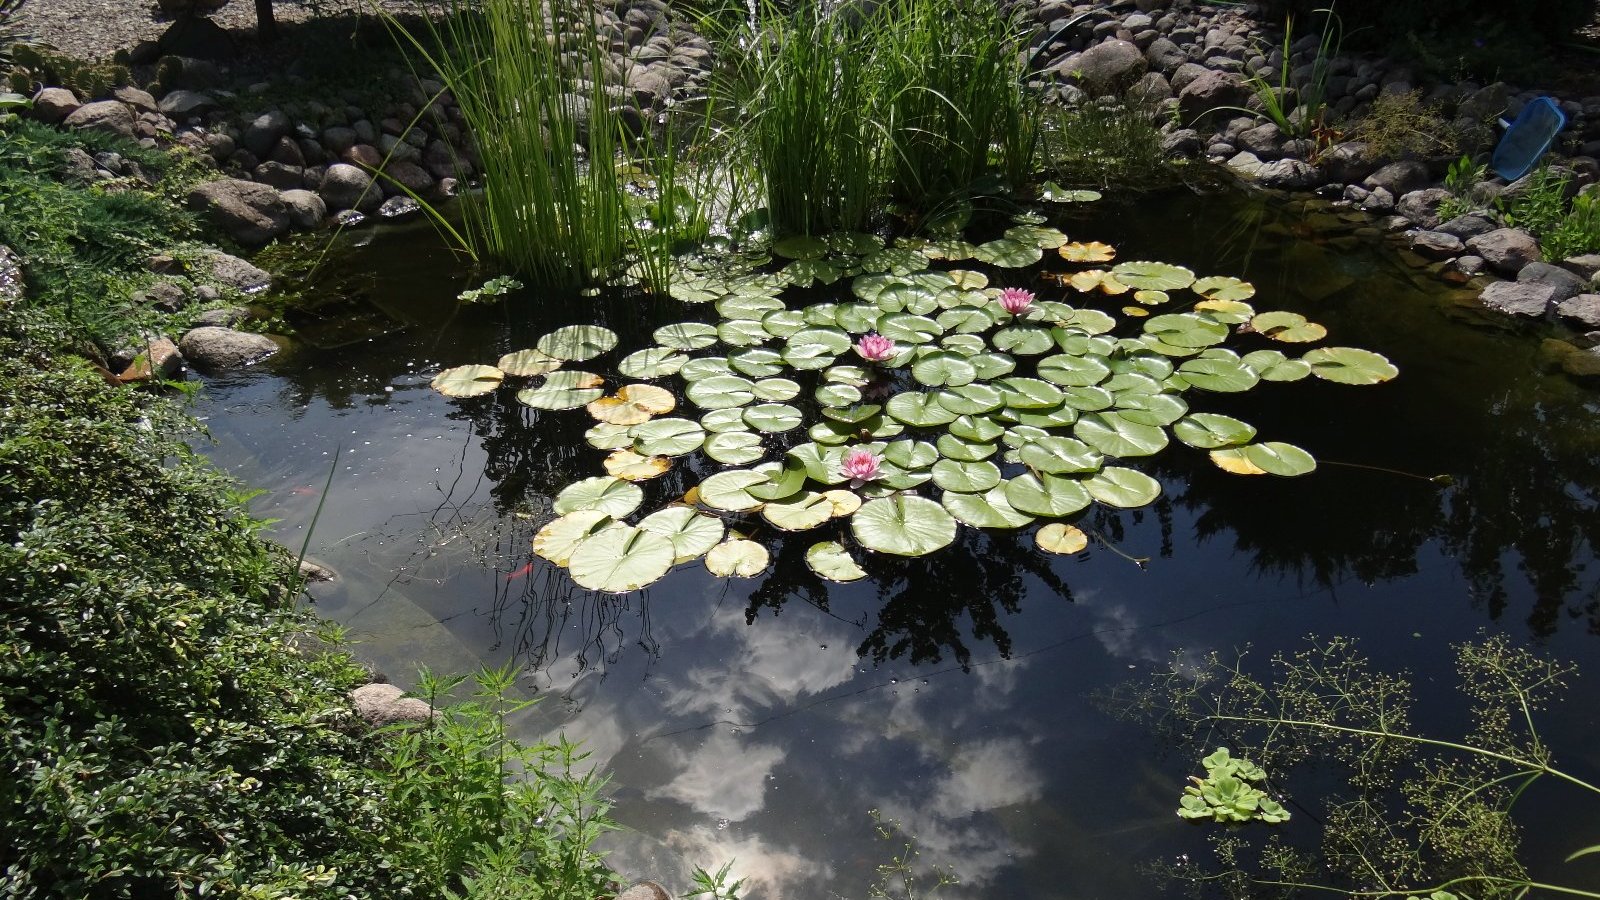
(1228, 793)
(918, 400)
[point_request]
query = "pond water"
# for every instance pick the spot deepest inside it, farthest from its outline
(760, 720)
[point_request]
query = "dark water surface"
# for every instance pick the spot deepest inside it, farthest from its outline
(760, 720)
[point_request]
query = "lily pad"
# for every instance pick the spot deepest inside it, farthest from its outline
(807, 272)
(1073, 371)
(1089, 252)
(976, 428)
(737, 558)
(1097, 280)
(756, 362)
(1186, 330)
(1028, 393)
(1271, 365)
(1223, 287)
(1211, 431)
(557, 539)
(1046, 495)
(772, 418)
(633, 404)
(547, 397)
(1057, 537)
(1220, 375)
(577, 342)
(1043, 237)
(1228, 312)
(1122, 488)
(832, 561)
(903, 525)
(838, 395)
(1153, 276)
(801, 246)
(742, 332)
(990, 509)
(1114, 435)
(720, 420)
(1055, 193)
(1291, 328)
(652, 362)
(691, 533)
(910, 454)
(942, 368)
(1270, 457)
(965, 477)
(1056, 455)
(467, 381)
(686, 336)
(1350, 365)
(606, 436)
(730, 490)
(1008, 253)
(735, 448)
(705, 367)
(963, 450)
(612, 496)
(918, 410)
(721, 392)
(527, 363)
(969, 399)
(1023, 340)
(776, 389)
(668, 437)
(621, 558)
(801, 512)
(630, 466)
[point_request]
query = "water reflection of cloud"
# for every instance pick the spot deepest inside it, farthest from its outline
(724, 777)
(769, 871)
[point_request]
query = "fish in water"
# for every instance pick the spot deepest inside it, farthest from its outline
(520, 572)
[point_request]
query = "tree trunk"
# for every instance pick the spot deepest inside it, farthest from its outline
(266, 25)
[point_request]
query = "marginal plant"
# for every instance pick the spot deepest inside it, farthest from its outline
(1298, 106)
(1461, 181)
(932, 401)
(1541, 205)
(1579, 231)
(1229, 794)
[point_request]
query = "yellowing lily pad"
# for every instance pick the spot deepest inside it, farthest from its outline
(832, 561)
(467, 381)
(630, 466)
(525, 363)
(621, 558)
(737, 558)
(634, 404)
(1061, 538)
(556, 540)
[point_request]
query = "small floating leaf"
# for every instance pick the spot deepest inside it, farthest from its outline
(605, 436)
(1122, 488)
(633, 404)
(1228, 312)
(720, 420)
(735, 448)
(730, 490)
(1046, 495)
(547, 397)
(776, 389)
(1153, 276)
(1055, 193)
(832, 561)
(721, 392)
(990, 509)
(737, 558)
(526, 363)
(904, 525)
(630, 466)
(1043, 237)
(612, 496)
(1221, 375)
(1008, 253)
(1097, 279)
(1114, 435)
(801, 512)
(1223, 287)
(467, 381)
(691, 533)
(577, 342)
(652, 362)
(801, 246)
(943, 368)
(965, 477)
(1291, 328)
(1350, 365)
(686, 336)
(1271, 365)
(621, 558)
(1060, 538)
(1210, 431)
(1092, 252)
(1056, 455)
(772, 418)
(668, 437)
(1268, 458)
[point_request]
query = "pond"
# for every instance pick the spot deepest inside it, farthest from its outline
(760, 720)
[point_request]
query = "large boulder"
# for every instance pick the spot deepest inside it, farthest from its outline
(250, 213)
(183, 105)
(1519, 299)
(1506, 250)
(108, 116)
(1110, 67)
(1584, 309)
(1349, 162)
(347, 187)
(212, 348)
(52, 105)
(1209, 92)
(1422, 207)
(1566, 284)
(1399, 178)
(231, 271)
(1289, 175)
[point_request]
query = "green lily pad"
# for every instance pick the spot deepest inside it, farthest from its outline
(653, 362)
(546, 397)
(992, 365)
(1084, 321)
(705, 367)
(832, 561)
(1350, 365)
(858, 318)
(1028, 393)
(1186, 330)
(1220, 375)
(527, 363)
(776, 389)
(1054, 417)
(467, 381)
(606, 436)
(853, 414)
(612, 496)
(737, 558)
(854, 376)
(1088, 398)
(1114, 435)
(783, 480)
(720, 420)
(910, 454)
(962, 449)
(800, 512)
(1040, 236)
(942, 368)
(1021, 435)
(903, 525)
(729, 490)
(772, 418)
(1008, 253)
(783, 322)
(969, 399)
(1073, 371)
(907, 298)
(1211, 431)
(1271, 365)
(668, 437)
(1150, 298)
(753, 308)
(1223, 287)
(620, 559)
(990, 509)
(756, 362)
(735, 448)
(1291, 328)
(1153, 276)
(1228, 312)
(1151, 408)
(965, 477)
(1270, 457)
(966, 320)
(694, 290)
(838, 395)
(742, 333)
(801, 246)
(558, 538)
(976, 428)
(1061, 456)
(807, 272)
(577, 342)
(1023, 340)
(1046, 495)
(904, 328)
(721, 392)
(691, 533)
(1122, 488)
(918, 410)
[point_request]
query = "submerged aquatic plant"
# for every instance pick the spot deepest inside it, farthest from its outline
(971, 416)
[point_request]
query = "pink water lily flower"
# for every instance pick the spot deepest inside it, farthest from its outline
(860, 466)
(1016, 300)
(874, 347)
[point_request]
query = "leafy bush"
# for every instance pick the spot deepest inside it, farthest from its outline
(1578, 233)
(1461, 181)
(9, 32)
(1541, 205)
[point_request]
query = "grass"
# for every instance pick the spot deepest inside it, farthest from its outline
(1104, 145)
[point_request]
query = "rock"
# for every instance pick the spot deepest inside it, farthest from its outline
(365, 156)
(347, 187)
(250, 213)
(1436, 245)
(1349, 162)
(262, 134)
(1572, 360)
(384, 704)
(1152, 90)
(1244, 164)
(338, 139)
(280, 176)
(1468, 226)
(165, 295)
(407, 175)
(1289, 175)
(1468, 265)
(1184, 142)
(312, 572)
(349, 218)
(231, 271)
(158, 359)
(1422, 207)
(1566, 284)
(183, 104)
(1263, 140)
(212, 348)
(196, 37)
(108, 116)
(645, 890)
(399, 207)
(1586, 266)
(1207, 93)
(1399, 178)
(1485, 104)
(1379, 200)
(1164, 56)
(1519, 299)
(225, 317)
(140, 100)
(397, 150)
(1506, 250)
(1583, 309)
(1110, 67)
(53, 105)
(306, 209)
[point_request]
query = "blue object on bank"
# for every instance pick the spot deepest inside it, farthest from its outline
(1527, 138)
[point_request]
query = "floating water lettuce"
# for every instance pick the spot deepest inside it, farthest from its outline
(908, 406)
(1228, 793)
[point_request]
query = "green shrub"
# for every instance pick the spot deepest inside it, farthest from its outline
(1578, 233)
(1461, 181)
(1541, 205)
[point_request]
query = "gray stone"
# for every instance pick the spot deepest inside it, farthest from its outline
(212, 348)
(347, 187)
(52, 105)
(1436, 245)
(349, 218)
(1486, 103)
(1379, 200)
(407, 175)
(1207, 94)
(1289, 175)
(262, 134)
(138, 99)
(397, 150)
(1151, 90)
(1586, 266)
(399, 207)
(1164, 56)
(1566, 284)
(1263, 140)
(248, 212)
(224, 317)
(384, 704)
(1399, 178)
(1186, 75)
(1110, 67)
(165, 295)
(1349, 162)
(187, 104)
(1184, 142)
(1422, 207)
(306, 209)
(1244, 164)
(1583, 309)
(280, 176)
(108, 116)
(1468, 226)
(645, 890)
(1506, 250)
(1469, 265)
(231, 271)
(338, 139)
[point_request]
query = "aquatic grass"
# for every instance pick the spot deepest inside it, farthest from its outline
(529, 79)
(1116, 144)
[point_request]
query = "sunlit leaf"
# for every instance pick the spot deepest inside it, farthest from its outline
(620, 559)
(1060, 538)
(577, 342)
(630, 466)
(903, 525)
(691, 533)
(832, 561)
(557, 539)
(612, 496)
(467, 381)
(737, 558)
